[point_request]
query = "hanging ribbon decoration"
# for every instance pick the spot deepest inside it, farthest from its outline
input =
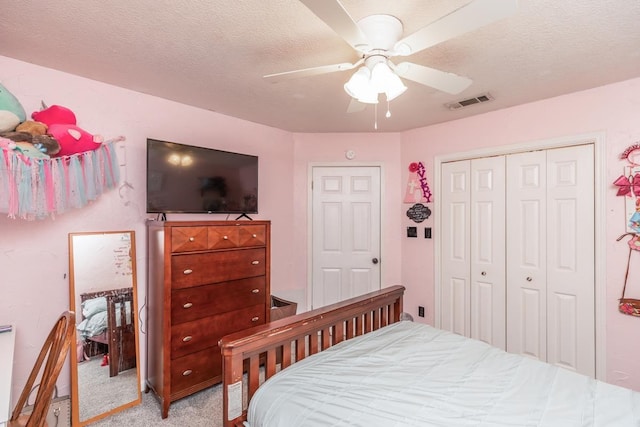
(628, 186)
(33, 188)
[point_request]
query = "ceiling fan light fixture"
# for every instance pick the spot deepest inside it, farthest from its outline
(381, 76)
(359, 87)
(395, 88)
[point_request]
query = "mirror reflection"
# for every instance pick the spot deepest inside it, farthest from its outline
(105, 373)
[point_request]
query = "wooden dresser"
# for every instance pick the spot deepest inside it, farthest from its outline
(206, 279)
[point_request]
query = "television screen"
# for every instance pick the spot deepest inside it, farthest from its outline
(188, 179)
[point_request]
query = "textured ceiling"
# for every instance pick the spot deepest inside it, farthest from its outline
(213, 54)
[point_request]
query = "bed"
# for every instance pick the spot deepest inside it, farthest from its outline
(107, 327)
(356, 364)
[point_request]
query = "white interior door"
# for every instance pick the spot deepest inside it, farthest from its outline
(455, 295)
(488, 250)
(345, 233)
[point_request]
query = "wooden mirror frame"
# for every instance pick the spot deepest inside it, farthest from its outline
(117, 298)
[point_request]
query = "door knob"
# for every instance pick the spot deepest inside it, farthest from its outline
(375, 260)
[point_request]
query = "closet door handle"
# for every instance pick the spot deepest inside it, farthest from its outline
(187, 305)
(187, 338)
(187, 271)
(255, 262)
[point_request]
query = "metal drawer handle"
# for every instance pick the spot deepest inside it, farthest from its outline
(484, 273)
(187, 338)
(187, 373)
(255, 262)
(255, 291)
(254, 236)
(188, 271)
(529, 279)
(192, 239)
(187, 305)
(255, 319)
(225, 237)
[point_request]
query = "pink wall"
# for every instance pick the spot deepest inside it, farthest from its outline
(34, 254)
(610, 109)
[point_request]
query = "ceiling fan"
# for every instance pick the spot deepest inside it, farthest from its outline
(378, 38)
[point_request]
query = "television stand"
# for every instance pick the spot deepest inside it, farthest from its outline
(245, 216)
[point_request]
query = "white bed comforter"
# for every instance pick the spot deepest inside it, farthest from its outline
(410, 374)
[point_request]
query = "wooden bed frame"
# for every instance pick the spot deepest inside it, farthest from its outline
(283, 342)
(119, 340)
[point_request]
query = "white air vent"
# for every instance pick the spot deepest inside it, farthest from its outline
(485, 97)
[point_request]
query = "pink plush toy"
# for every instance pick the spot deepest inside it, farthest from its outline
(62, 126)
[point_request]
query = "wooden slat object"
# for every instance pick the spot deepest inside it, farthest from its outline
(309, 332)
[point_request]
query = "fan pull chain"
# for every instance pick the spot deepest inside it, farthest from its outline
(375, 116)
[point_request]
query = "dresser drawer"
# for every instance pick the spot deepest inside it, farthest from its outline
(186, 239)
(252, 235)
(195, 368)
(201, 301)
(223, 237)
(199, 334)
(204, 268)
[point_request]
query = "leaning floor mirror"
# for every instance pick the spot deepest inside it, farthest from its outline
(105, 373)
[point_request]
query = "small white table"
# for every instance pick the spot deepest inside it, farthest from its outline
(7, 345)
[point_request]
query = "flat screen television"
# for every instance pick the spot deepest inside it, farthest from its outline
(189, 179)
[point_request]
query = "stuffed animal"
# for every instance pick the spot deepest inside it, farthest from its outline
(34, 128)
(24, 150)
(43, 144)
(61, 123)
(11, 111)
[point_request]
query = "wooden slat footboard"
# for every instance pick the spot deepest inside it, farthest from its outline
(278, 344)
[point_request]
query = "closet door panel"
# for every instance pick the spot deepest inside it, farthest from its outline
(570, 258)
(488, 250)
(455, 250)
(526, 255)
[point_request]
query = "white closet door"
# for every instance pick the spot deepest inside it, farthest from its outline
(455, 249)
(570, 259)
(526, 254)
(488, 250)
(550, 257)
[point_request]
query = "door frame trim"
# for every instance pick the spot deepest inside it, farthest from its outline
(310, 167)
(597, 139)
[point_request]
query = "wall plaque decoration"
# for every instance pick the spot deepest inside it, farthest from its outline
(417, 190)
(418, 212)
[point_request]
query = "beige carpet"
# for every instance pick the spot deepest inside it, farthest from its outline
(201, 409)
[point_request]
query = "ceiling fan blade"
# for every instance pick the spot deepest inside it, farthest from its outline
(441, 80)
(356, 106)
(335, 16)
(314, 71)
(472, 16)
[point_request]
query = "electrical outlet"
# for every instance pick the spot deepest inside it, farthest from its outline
(420, 311)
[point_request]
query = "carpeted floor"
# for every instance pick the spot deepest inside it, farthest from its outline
(201, 409)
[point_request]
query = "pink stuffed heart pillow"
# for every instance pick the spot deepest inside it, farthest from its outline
(73, 139)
